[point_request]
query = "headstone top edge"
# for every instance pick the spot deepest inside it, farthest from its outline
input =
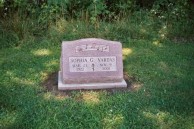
(91, 39)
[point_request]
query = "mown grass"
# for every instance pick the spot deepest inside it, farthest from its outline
(163, 69)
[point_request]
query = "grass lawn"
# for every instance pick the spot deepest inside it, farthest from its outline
(162, 72)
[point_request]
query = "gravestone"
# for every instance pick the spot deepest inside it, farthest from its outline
(91, 64)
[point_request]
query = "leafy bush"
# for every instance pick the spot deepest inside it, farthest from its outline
(46, 10)
(8, 38)
(34, 17)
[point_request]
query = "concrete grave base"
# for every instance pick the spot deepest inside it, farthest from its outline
(62, 86)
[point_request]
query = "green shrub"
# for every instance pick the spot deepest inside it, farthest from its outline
(24, 18)
(8, 38)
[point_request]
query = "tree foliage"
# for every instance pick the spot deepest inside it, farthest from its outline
(21, 18)
(46, 10)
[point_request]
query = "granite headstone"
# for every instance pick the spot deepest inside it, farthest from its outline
(91, 64)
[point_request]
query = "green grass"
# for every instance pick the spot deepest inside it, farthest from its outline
(163, 69)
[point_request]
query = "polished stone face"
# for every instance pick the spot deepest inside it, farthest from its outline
(92, 64)
(91, 60)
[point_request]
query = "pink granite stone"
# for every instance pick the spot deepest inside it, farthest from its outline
(91, 60)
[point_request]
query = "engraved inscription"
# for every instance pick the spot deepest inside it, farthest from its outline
(92, 47)
(92, 64)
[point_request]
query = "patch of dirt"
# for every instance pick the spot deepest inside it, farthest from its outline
(50, 84)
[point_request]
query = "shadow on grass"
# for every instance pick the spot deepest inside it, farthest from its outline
(51, 85)
(164, 101)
